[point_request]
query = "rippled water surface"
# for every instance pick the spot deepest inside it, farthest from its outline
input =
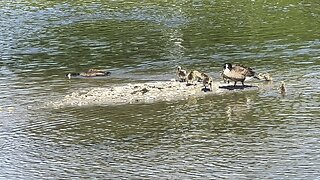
(256, 134)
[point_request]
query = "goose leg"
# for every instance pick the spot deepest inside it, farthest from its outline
(242, 83)
(235, 83)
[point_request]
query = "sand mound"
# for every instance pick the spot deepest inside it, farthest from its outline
(138, 93)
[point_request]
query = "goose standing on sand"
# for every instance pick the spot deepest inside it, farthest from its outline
(89, 73)
(207, 81)
(237, 73)
(182, 74)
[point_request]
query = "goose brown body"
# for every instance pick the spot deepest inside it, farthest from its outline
(95, 72)
(237, 73)
(89, 73)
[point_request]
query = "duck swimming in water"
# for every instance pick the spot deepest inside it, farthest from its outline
(237, 73)
(282, 88)
(89, 73)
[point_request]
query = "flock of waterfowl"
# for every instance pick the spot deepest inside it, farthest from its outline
(194, 76)
(235, 73)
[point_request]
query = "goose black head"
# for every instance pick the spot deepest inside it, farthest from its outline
(179, 68)
(69, 75)
(227, 66)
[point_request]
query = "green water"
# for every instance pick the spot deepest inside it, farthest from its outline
(242, 135)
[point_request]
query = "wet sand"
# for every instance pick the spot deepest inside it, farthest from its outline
(148, 92)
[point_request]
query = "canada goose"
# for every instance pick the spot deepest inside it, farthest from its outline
(237, 73)
(282, 88)
(95, 72)
(182, 74)
(89, 73)
(69, 75)
(207, 80)
(194, 75)
(265, 76)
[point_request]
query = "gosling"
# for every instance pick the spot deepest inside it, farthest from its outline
(207, 81)
(265, 76)
(225, 80)
(193, 76)
(282, 88)
(182, 74)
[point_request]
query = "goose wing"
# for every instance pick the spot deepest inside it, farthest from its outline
(243, 70)
(234, 75)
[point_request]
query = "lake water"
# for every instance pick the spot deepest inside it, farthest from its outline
(243, 135)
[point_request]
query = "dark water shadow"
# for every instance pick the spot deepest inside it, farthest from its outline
(190, 84)
(206, 89)
(240, 87)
